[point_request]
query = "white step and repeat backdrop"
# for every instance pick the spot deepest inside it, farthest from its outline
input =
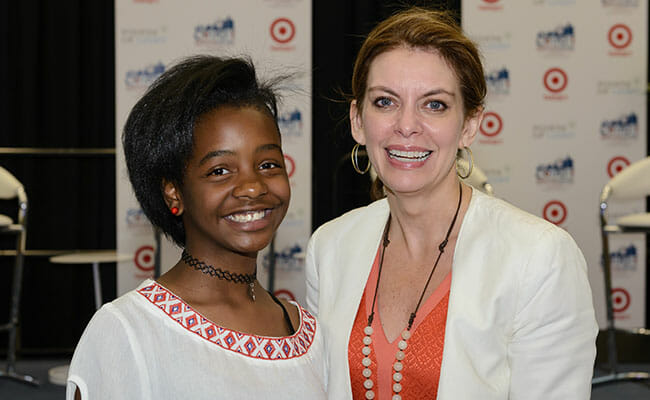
(150, 35)
(566, 111)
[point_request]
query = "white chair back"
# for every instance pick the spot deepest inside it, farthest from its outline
(477, 178)
(633, 182)
(10, 187)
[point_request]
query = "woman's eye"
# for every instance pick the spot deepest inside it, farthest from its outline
(436, 105)
(383, 102)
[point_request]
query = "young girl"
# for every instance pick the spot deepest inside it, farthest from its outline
(204, 157)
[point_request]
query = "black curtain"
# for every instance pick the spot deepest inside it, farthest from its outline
(57, 82)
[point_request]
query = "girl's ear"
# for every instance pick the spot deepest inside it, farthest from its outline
(172, 196)
(356, 125)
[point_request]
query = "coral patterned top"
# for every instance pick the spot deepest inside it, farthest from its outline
(423, 359)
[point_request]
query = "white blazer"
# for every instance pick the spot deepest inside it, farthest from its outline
(520, 322)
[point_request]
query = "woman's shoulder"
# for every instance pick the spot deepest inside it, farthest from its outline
(493, 214)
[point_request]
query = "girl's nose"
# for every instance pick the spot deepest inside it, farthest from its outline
(251, 187)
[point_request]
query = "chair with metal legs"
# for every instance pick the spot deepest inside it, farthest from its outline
(11, 188)
(631, 183)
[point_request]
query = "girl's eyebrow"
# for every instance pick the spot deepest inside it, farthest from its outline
(216, 153)
(220, 153)
(270, 146)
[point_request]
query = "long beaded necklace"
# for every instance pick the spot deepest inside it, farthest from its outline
(398, 366)
(248, 279)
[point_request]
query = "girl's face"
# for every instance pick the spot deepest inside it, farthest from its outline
(412, 120)
(235, 191)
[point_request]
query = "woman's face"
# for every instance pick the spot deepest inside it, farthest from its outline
(235, 191)
(412, 120)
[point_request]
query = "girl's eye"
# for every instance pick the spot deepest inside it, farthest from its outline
(270, 165)
(436, 105)
(383, 102)
(219, 171)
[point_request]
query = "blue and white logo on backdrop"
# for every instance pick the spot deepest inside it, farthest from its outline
(624, 127)
(558, 171)
(290, 123)
(498, 81)
(218, 32)
(289, 258)
(142, 78)
(560, 38)
(624, 258)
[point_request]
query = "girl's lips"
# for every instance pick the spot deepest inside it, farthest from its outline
(248, 216)
(250, 221)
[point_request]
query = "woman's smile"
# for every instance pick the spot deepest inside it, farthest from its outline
(408, 157)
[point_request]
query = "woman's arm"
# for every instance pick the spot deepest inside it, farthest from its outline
(552, 350)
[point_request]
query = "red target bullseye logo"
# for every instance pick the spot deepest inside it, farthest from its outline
(620, 299)
(144, 258)
(619, 36)
(283, 30)
(284, 294)
(491, 124)
(555, 212)
(555, 80)
(290, 165)
(616, 165)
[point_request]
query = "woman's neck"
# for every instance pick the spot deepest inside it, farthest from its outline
(419, 222)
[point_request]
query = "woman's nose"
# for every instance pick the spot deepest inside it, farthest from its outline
(408, 122)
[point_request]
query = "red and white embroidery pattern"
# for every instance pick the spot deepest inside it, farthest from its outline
(249, 345)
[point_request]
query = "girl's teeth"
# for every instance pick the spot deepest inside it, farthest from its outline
(247, 216)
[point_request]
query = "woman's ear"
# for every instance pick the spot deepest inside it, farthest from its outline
(356, 126)
(470, 128)
(173, 198)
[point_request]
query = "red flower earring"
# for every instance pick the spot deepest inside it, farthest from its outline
(174, 210)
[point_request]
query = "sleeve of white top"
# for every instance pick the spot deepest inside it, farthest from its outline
(311, 273)
(108, 362)
(552, 350)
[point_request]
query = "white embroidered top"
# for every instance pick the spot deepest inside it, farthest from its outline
(149, 344)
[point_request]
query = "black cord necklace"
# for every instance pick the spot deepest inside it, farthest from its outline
(406, 334)
(248, 279)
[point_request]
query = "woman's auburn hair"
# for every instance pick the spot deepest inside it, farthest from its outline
(428, 30)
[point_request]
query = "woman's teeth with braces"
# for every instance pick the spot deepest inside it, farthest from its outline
(409, 155)
(247, 216)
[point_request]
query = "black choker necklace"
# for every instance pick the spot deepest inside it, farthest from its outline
(248, 279)
(406, 334)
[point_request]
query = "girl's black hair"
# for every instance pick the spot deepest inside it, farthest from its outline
(157, 136)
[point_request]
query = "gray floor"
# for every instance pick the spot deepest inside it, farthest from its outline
(10, 390)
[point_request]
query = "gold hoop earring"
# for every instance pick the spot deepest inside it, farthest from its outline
(355, 162)
(470, 167)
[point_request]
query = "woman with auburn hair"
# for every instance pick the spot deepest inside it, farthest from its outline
(438, 291)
